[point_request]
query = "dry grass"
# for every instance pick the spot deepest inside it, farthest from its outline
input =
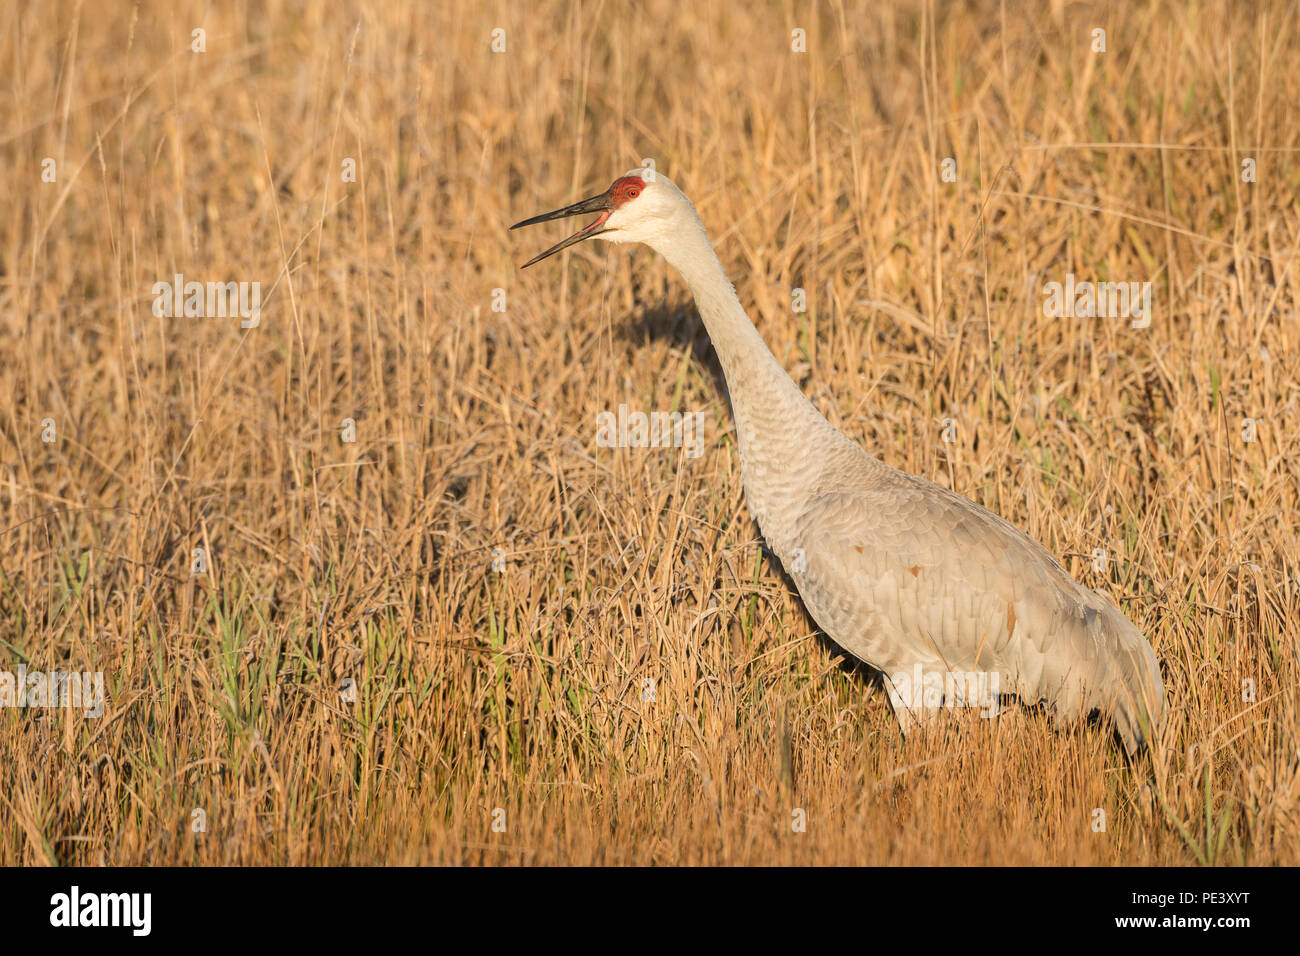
(476, 430)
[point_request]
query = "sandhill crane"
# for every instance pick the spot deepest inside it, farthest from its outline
(906, 575)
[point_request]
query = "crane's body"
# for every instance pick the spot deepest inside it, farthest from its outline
(904, 574)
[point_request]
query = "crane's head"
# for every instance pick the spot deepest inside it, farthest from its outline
(639, 207)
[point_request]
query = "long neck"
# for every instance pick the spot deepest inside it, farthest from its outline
(785, 443)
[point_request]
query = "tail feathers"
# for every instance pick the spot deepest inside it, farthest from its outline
(1139, 706)
(1111, 668)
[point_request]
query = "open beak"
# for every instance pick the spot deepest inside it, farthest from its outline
(601, 204)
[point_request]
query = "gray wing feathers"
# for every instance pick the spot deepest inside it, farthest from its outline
(907, 571)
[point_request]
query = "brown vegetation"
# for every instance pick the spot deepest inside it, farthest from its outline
(526, 689)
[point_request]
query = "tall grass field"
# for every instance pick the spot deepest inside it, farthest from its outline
(309, 485)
